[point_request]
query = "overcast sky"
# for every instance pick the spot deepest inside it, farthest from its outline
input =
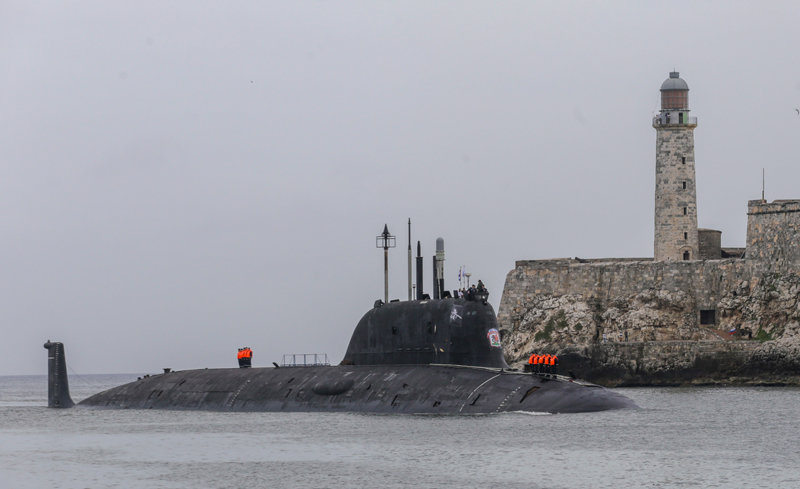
(182, 178)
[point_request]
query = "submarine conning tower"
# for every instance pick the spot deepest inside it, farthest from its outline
(443, 331)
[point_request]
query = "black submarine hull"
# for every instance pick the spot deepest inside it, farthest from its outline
(401, 389)
(417, 357)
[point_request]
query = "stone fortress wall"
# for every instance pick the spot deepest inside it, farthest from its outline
(773, 235)
(646, 322)
(773, 246)
(668, 320)
(704, 281)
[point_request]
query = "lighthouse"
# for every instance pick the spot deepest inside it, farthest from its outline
(676, 198)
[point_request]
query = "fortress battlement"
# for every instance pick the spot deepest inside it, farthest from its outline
(776, 206)
(773, 235)
(574, 261)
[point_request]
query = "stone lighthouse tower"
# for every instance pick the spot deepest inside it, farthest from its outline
(676, 199)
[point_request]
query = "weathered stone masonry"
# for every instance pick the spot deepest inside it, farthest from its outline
(773, 235)
(676, 202)
(703, 282)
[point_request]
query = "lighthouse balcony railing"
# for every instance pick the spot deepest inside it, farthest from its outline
(661, 120)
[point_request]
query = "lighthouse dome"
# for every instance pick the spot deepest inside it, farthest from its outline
(674, 82)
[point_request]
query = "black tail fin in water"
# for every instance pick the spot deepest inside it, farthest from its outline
(57, 383)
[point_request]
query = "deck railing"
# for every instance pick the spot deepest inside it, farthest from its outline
(305, 360)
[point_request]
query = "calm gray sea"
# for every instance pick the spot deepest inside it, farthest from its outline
(700, 437)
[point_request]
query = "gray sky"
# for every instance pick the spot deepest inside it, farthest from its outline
(178, 179)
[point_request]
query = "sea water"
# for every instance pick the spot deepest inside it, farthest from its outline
(693, 437)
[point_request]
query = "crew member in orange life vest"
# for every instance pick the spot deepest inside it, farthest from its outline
(245, 357)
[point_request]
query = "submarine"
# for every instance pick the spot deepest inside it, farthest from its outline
(429, 356)
(424, 356)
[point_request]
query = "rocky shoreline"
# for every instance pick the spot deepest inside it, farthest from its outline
(673, 363)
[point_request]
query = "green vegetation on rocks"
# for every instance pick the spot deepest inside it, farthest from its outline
(544, 335)
(556, 321)
(763, 336)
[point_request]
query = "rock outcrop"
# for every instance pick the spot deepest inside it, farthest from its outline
(714, 322)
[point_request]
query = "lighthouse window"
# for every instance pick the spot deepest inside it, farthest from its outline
(683, 160)
(685, 255)
(684, 185)
(684, 211)
(685, 236)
